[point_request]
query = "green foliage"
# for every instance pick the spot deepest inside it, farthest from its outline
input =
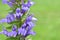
(12, 38)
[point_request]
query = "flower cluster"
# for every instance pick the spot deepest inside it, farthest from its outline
(24, 30)
(19, 12)
(19, 9)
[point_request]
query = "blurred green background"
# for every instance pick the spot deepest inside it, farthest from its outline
(48, 15)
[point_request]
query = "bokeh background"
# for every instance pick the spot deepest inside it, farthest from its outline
(48, 14)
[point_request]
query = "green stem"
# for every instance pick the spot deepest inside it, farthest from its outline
(22, 38)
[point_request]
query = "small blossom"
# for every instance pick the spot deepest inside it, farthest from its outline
(10, 4)
(18, 13)
(5, 32)
(29, 4)
(12, 34)
(24, 8)
(18, 10)
(3, 20)
(14, 28)
(31, 33)
(22, 31)
(30, 25)
(29, 18)
(24, 25)
(10, 18)
(5, 1)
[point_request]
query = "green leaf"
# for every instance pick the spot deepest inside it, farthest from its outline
(13, 38)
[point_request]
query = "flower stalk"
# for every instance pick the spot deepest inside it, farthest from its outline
(19, 17)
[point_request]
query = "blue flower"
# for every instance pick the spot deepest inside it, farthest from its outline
(5, 1)
(14, 28)
(10, 4)
(18, 14)
(24, 8)
(29, 4)
(30, 25)
(13, 33)
(29, 18)
(3, 20)
(10, 18)
(30, 33)
(18, 10)
(26, 28)
(22, 31)
(5, 32)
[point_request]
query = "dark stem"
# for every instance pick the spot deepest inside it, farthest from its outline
(22, 38)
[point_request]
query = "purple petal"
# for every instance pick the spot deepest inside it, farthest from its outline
(18, 10)
(14, 28)
(22, 31)
(5, 32)
(30, 25)
(4, 1)
(29, 4)
(19, 30)
(15, 34)
(9, 34)
(24, 25)
(10, 18)
(25, 8)
(18, 15)
(10, 4)
(31, 33)
(3, 20)
(29, 18)
(12, 34)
